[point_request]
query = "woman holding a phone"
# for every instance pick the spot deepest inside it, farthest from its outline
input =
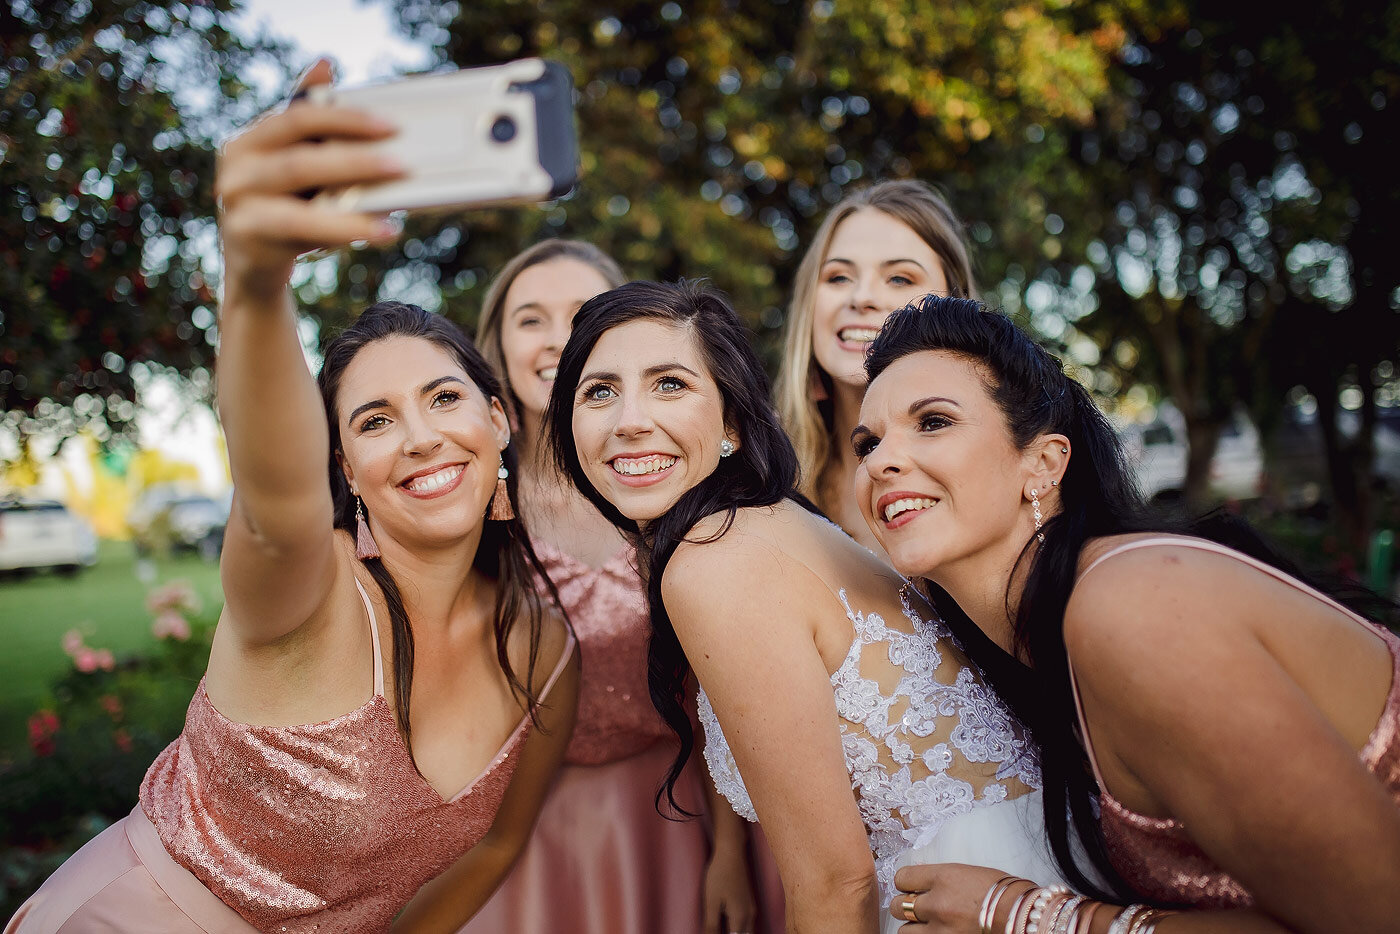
(612, 863)
(877, 250)
(388, 695)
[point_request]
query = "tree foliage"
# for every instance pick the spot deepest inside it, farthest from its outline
(106, 238)
(1242, 222)
(715, 134)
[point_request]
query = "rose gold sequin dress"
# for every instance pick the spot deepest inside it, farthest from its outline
(602, 860)
(1156, 855)
(321, 827)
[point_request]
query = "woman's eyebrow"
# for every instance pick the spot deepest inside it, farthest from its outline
(915, 406)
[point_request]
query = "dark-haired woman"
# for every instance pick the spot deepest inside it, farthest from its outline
(827, 675)
(611, 861)
(1224, 737)
(387, 698)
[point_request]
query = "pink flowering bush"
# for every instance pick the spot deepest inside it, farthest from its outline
(91, 745)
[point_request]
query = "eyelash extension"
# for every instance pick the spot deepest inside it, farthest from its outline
(586, 392)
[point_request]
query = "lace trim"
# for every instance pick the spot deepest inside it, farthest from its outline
(886, 737)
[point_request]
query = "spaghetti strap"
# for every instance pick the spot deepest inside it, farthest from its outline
(1084, 724)
(374, 640)
(1201, 544)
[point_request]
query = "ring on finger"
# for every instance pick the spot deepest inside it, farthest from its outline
(906, 906)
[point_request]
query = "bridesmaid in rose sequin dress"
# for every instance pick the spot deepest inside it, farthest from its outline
(1223, 737)
(608, 861)
(305, 794)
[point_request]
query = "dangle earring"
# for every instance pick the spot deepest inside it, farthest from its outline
(1035, 505)
(726, 447)
(365, 545)
(500, 508)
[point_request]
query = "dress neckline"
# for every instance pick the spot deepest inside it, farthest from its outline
(549, 551)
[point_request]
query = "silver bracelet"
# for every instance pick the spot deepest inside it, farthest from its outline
(1065, 920)
(1125, 920)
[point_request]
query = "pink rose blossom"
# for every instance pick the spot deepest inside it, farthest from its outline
(105, 661)
(85, 661)
(169, 624)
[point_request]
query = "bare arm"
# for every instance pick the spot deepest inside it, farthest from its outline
(1184, 699)
(278, 558)
(743, 613)
(450, 900)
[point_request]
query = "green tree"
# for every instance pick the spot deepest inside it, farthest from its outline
(106, 231)
(1242, 224)
(715, 134)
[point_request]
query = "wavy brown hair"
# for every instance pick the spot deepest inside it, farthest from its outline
(504, 555)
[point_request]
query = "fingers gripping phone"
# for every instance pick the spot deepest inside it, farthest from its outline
(499, 134)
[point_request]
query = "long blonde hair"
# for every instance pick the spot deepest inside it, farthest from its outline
(809, 422)
(488, 326)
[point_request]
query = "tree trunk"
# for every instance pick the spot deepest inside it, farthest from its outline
(1202, 438)
(1349, 463)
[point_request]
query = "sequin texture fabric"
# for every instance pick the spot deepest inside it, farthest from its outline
(320, 827)
(609, 612)
(1157, 857)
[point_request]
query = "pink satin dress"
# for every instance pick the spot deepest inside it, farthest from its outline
(320, 827)
(602, 860)
(1155, 855)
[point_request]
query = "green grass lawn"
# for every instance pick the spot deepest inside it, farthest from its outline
(106, 603)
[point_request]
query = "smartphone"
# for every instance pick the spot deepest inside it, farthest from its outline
(495, 135)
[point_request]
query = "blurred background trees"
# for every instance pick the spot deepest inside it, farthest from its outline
(1188, 202)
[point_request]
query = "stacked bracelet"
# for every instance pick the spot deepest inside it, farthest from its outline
(991, 901)
(1056, 910)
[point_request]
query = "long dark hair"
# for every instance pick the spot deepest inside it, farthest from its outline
(761, 473)
(1098, 497)
(504, 554)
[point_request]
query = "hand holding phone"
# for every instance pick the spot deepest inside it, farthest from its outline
(500, 134)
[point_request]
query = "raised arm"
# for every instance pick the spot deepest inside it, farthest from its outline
(278, 560)
(744, 615)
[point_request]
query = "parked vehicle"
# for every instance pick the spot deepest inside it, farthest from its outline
(44, 534)
(167, 520)
(1158, 452)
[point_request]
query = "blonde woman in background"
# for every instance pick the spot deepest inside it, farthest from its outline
(878, 250)
(602, 859)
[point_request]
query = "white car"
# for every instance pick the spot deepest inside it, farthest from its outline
(1157, 452)
(44, 534)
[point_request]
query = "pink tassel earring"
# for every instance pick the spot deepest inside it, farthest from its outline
(500, 508)
(365, 545)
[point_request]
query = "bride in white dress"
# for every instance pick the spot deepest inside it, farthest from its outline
(864, 736)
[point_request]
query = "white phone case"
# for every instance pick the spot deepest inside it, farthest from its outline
(446, 138)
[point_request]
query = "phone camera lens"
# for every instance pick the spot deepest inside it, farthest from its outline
(503, 130)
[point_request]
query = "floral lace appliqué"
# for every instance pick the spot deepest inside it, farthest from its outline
(924, 738)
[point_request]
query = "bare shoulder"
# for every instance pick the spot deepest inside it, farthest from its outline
(718, 571)
(1158, 597)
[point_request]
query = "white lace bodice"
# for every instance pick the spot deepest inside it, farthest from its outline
(925, 739)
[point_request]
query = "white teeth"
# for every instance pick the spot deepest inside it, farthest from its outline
(548, 373)
(905, 505)
(859, 335)
(637, 466)
(435, 481)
